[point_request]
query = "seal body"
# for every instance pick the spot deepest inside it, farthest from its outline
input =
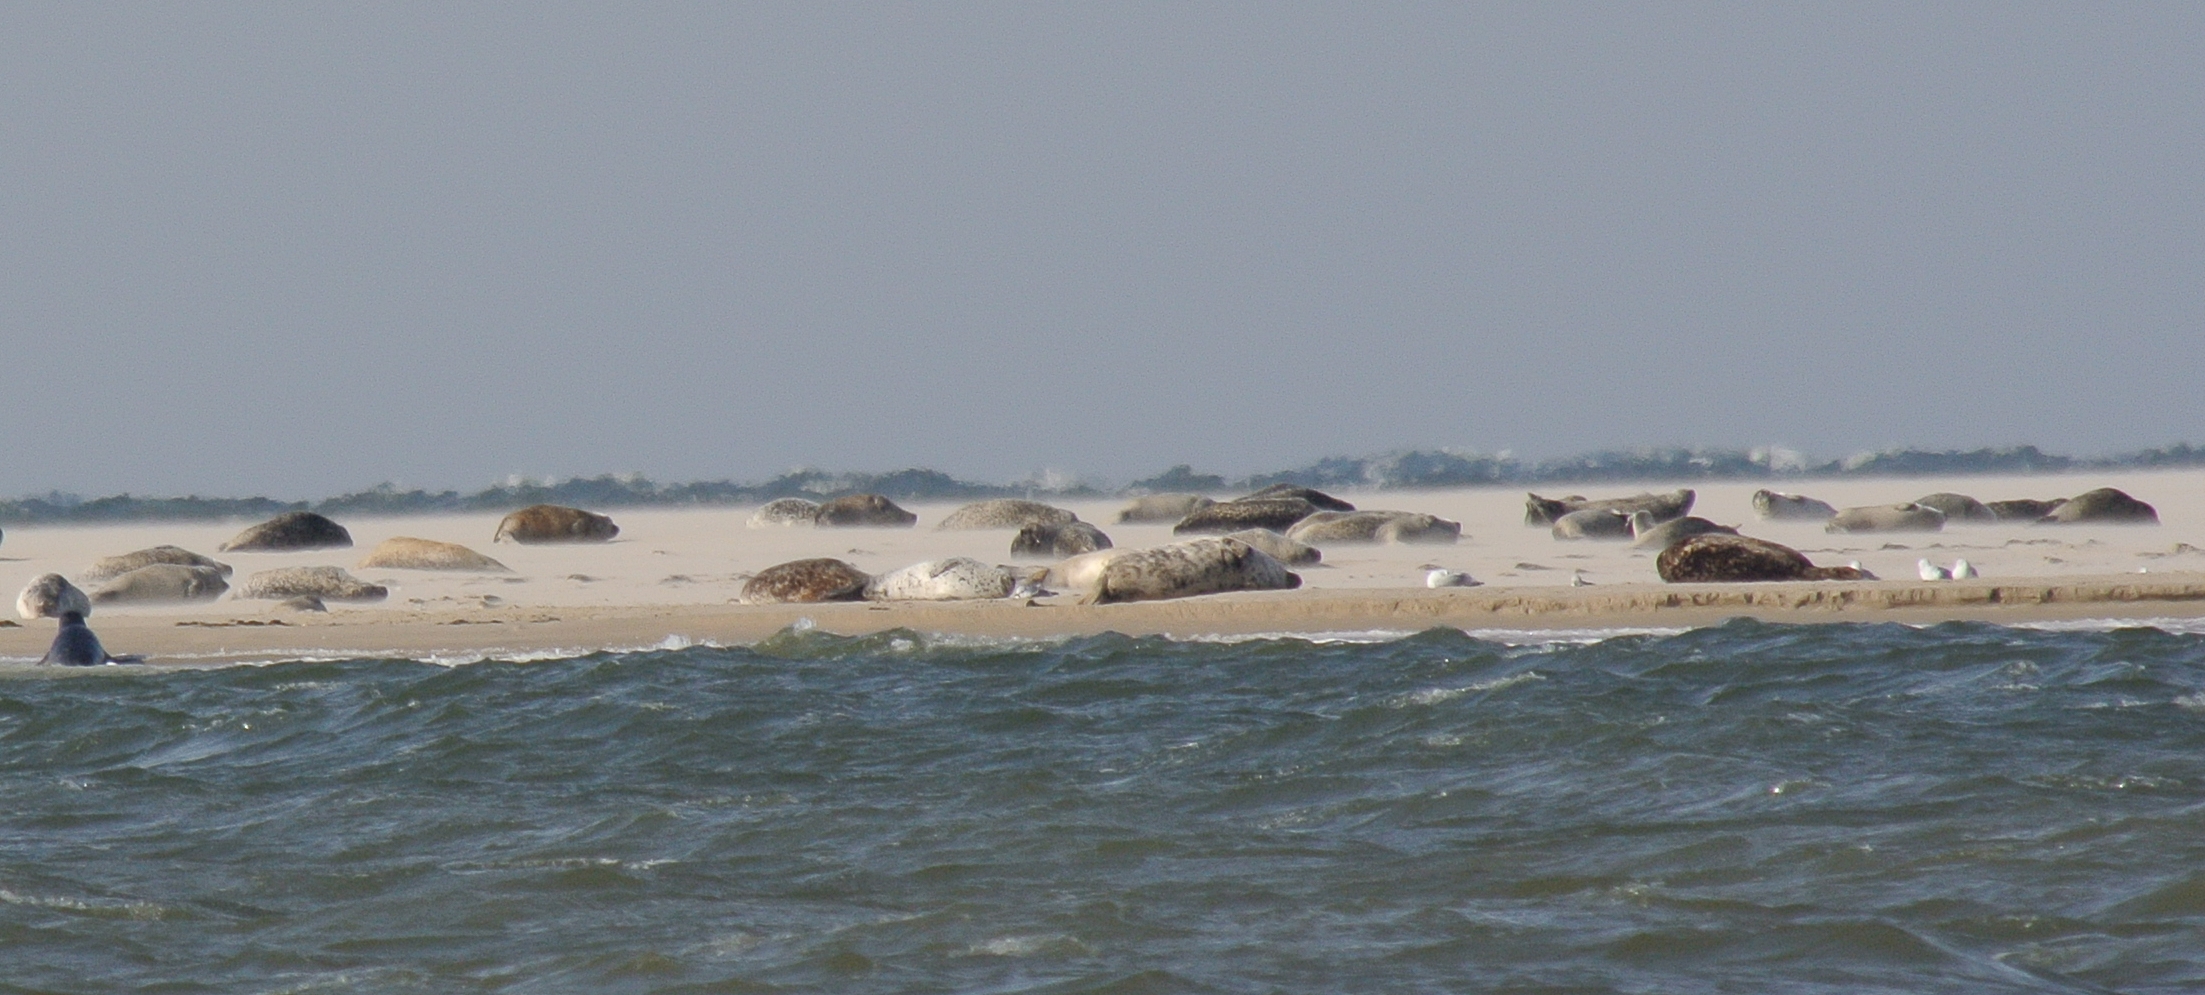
(1594, 523)
(326, 583)
(74, 645)
(805, 582)
(957, 578)
(1957, 507)
(2104, 506)
(1082, 572)
(1779, 506)
(51, 596)
(1388, 527)
(1722, 557)
(162, 583)
(116, 566)
(408, 553)
(1323, 501)
(288, 531)
(1276, 514)
(1056, 541)
(1648, 534)
(1279, 547)
(1187, 569)
(862, 511)
(2023, 509)
(1887, 518)
(549, 523)
(1161, 508)
(784, 512)
(1005, 513)
(1550, 511)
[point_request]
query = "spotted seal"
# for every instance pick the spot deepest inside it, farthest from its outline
(289, 531)
(863, 511)
(327, 583)
(1187, 569)
(408, 553)
(1594, 523)
(49, 596)
(540, 524)
(108, 567)
(1721, 557)
(1058, 540)
(2104, 506)
(957, 578)
(805, 582)
(1779, 506)
(1388, 527)
(785, 512)
(162, 583)
(1161, 508)
(1276, 514)
(1887, 518)
(1004, 513)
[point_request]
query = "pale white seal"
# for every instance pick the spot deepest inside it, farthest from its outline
(50, 595)
(785, 512)
(957, 578)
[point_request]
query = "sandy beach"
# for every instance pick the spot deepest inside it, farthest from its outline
(672, 577)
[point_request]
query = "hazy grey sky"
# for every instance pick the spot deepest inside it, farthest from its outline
(294, 249)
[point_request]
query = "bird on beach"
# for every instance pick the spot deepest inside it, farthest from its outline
(1443, 577)
(1931, 571)
(1963, 570)
(1864, 574)
(1577, 579)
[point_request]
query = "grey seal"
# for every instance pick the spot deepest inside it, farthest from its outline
(75, 646)
(115, 566)
(1595, 523)
(1548, 511)
(1279, 547)
(549, 523)
(1722, 557)
(2104, 506)
(805, 582)
(783, 512)
(1649, 534)
(2023, 509)
(162, 583)
(1057, 541)
(1323, 501)
(1276, 514)
(1187, 569)
(1779, 506)
(1161, 508)
(327, 583)
(1004, 513)
(1957, 507)
(288, 531)
(409, 553)
(862, 511)
(1888, 518)
(957, 578)
(1374, 527)
(50, 596)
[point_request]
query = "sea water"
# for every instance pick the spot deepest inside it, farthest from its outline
(1748, 807)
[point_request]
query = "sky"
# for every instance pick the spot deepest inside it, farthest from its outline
(301, 249)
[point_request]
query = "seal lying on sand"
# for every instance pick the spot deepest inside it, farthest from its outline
(2104, 506)
(1957, 507)
(1595, 523)
(1004, 513)
(326, 583)
(1387, 527)
(957, 578)
(1779, 506)
(1186, 569)
(1721, 557)
(408, 553)
(805, 582)
(1547, 511)
(49, 596)
(1057, 541)
(162, 583)
(549, 523)
(1649, 534)
(116, 566)
(2023, 509)
(784, 512)
(1276, 514)
(1323, 501)
(1082, 572)
(1888, 518)
(288, 531)
(75, 645)
(1162, 508)
(861, 511)
(1278, 547)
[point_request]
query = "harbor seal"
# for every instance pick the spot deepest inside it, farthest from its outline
(784, 512)
(1161, 508)
(1276, 514)
(2104, 506)
(863, 511)
(1082, 572)
(1595, 523)
(1387, 527)
(162, 583)
(326, 583)
(1187, 569)
(74, 645)
(1004, 513)
(549, 523)
(805, 582)
(957, 578)
(50, 595)
(1323, 501)
(1057, 541)
(1721, 557)
(116, 566)
(2023, 509)
(288, 531)
(408, 553)
(1649, 534)
(1779, 506)
(1887, 518)
(1279, 547)
(1549, 511)
(1957, 507)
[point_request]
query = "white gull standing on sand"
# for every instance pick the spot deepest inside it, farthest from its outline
(1931, 571)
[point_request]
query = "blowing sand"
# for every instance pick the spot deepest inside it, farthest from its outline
(674, 574)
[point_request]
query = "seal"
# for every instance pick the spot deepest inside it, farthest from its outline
(75, 646)
(1388, 527)
(1187, 569)
(1719, 557)
(1649, 534)
(1779, 506)
(957, 578)
(1323, 501)
(1082, 572)
(1957, 507)
(49, 596)
(863, 511)
(1594, 523)
(1004, 513)
(805, 582)
(2023, 509)
(1159, 508)
(784, 512)
(408, 553)
(549, 523)
(1276, 514)
(2104, 506)
(115, 566)
(1888, 518)
(1057, 541)
(162, 583)
(288, 531)
(1278, 547)
(327, 583)
(1549, 511)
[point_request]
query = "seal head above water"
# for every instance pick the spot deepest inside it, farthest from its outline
(75, 645)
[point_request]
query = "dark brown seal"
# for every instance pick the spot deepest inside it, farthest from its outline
(1717, 557)
(546, 523)
(288, 531)
(2104, 506)
(861, 510)
(805, 582)
(1058, 541)
(1323, 501)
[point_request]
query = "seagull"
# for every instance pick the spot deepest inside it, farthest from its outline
(1931, 571)
(1864, 574)
(1577, 579)
(1963, 570)
(1443, 577)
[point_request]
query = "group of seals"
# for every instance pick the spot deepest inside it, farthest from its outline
(2104, 506)
(1540, 511)
(1276, 507)
(1160, 508)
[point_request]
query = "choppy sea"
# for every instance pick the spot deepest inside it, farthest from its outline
(1748, 807)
